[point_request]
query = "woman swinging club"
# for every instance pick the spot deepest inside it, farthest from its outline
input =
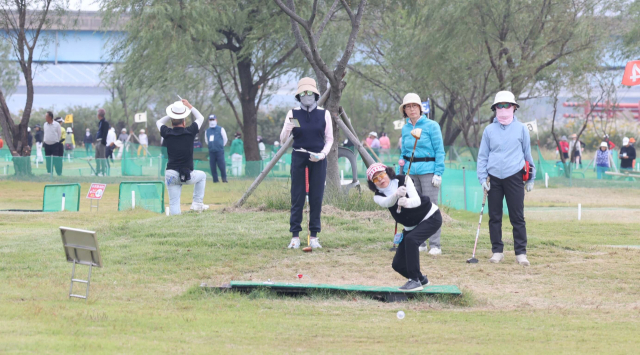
(312, 139)
(421, 219)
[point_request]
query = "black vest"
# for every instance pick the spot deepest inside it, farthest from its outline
(310, 134)
(409, 216)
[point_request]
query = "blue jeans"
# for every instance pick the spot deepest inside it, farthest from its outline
(600, 171)
(174, 187)
(216, 159)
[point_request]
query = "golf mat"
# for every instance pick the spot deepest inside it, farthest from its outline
(389, 294)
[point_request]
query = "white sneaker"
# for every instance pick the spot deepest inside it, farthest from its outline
(100, 174)
(522, 260)
(315, 244)
(423, 247)
(295, 243)
(199, 207)
(496, 258)
(435, 251)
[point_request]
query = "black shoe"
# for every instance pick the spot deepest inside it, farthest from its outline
(424, 281)
(411, 286)
(225, 181)
(215, 182)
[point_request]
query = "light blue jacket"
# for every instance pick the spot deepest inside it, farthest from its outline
(429, 145)
(503, 150)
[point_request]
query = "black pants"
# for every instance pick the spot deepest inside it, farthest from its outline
(511, 188)
(217, 159)
(53, 157)
(317, 177)
(406, 262)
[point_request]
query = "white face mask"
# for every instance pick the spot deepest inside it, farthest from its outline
(213, 123)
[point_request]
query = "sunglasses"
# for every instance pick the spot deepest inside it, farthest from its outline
(379, 178)
(504, 105)
(306, 93)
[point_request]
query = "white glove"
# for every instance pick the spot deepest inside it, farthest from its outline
(316, 157)
(401, 191)
(486, 186)
(402, 201)
(528, 185)
(436, 181)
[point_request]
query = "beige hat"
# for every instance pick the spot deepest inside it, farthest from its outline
(504, 96)
(307, 84)
(410, 98)
(178, 110)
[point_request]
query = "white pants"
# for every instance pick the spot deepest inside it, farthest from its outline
(39, 158)
(236, 164)
(174, 187)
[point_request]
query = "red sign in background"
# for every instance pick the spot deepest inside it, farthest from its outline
(96, 191)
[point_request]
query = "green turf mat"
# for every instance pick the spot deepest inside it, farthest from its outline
(434, 289)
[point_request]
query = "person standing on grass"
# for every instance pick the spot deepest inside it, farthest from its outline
(144, 142)
(420, 217)
(179, 142)
(504, 148)
(385, 145)
(602, 160)
(101, 143)
(51, 138)
(564, 146)
(428, 162)
(39, 136)
(88, 142)
(236, 151)
(59, 160)
(627, 155)
(312, 131)
(574, 146)
(216, 139)
(111, 140)
(632, 142)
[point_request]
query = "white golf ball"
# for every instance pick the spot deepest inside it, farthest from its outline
(400, 315)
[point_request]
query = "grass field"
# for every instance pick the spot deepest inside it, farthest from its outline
(580, 295)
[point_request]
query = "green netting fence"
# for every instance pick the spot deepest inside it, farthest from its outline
(141, 194)
(54, 195)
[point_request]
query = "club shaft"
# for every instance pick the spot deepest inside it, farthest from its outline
(409, 169)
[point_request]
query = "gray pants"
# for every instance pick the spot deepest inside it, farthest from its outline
(425, 188)
(101, 162)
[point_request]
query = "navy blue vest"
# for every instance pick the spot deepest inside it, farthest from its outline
(310, 134)
(214, 137)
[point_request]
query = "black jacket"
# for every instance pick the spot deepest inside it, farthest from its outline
(631, 153)
(103, 129)
(409, 216)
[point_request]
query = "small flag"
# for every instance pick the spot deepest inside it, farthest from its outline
(398, 124)
(631, 76)
(426, 107)
(140, 117)
(68, 119)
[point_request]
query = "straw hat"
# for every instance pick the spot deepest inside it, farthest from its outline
(410, 98)
(178, 110)
(307, 84)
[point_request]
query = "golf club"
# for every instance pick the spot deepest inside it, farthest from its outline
(416, 133)
(473, 259)
(308, 248)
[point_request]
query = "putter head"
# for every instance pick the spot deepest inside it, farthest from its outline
(472, 261)
(416, 133)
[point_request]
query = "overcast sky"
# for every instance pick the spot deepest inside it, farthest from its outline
(85, 5)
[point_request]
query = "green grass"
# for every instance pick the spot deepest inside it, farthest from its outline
(577, 297)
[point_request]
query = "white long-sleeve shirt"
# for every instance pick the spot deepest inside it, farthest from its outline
(224, 137)
(328, 130)
(144, 140)
(111, 137)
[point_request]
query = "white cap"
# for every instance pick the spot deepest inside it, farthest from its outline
(625, 141)
(276, 143)
(142, 130)
(124, 130)
(504, 96)
(28, 129)
(69, 130)
(373, 134)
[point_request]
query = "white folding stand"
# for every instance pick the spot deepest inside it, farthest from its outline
(80, 247)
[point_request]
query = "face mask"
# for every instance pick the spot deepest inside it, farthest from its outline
(308, 100)
(213, 123)
(88, 134)
(505, 115)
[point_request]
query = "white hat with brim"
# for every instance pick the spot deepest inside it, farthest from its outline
(307, 84)
(604, 144)
(410, 98)
(504, 96)
(178, 111)
(118, 143)
(373, 134)
(625, 141)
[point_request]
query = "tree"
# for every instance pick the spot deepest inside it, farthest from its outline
(22, 23)
(460, 53)
(324, 73)
(243, 45)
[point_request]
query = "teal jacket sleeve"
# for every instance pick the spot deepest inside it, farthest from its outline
(438, 146)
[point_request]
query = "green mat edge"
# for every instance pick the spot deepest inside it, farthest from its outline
(432, 289)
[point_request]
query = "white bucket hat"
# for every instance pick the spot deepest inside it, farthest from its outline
(504, 96)
(604, 144)
(625, 141)
(118, 143)
(307, 84)
(124, 130)
(142, 130)
(178, 110)
(373, 134)
(410, 98)
(69, 130)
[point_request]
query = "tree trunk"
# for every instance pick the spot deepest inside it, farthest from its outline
(333, 171)
(248, 94)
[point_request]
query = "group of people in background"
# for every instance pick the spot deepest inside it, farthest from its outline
(603, 159)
